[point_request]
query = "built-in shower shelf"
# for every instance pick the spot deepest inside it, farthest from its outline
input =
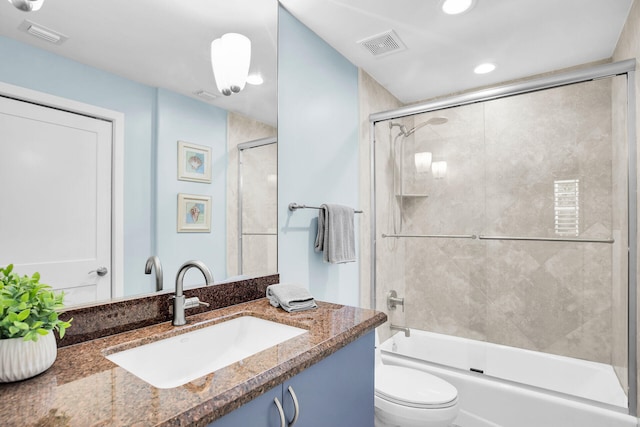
(411, 195)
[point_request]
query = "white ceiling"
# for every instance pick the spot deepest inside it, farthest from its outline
(165, 43)
(161, 43)
(522, 37)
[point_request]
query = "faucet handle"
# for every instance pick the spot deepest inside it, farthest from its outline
(194, 302)
(393, 301)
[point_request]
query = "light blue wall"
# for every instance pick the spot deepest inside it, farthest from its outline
(317, 155)
(185, 118)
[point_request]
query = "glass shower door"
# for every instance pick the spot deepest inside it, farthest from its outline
(520, 240)
(258, 196)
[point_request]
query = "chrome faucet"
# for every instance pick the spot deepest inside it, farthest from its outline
(154, 261)
(407, 331)
(180, 303)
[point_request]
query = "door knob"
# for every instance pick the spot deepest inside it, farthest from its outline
(100, 271)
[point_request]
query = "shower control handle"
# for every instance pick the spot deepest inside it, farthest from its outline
(393, 301)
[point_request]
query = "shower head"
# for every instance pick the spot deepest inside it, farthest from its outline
(403, 128)
(437, 120)
(432, 121)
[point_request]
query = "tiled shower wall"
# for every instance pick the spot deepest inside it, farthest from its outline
(503, 157)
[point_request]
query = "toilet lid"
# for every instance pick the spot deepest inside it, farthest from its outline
(414, 388)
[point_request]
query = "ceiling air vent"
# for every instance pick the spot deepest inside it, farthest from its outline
(41, 32)
(383, 44)
(205, 95)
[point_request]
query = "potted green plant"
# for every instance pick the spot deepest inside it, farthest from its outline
(28, 314)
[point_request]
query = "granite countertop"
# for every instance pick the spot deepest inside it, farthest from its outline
(83, 388)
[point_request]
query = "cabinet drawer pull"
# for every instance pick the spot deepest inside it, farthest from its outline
(280, 411)
(296, 407)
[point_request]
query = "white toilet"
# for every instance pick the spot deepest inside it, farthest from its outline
(406, 397)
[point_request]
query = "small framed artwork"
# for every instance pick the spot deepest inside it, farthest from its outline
(194, 213)
(194, 162)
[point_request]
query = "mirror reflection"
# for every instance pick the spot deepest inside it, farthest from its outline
(257, 206)
(95, 101)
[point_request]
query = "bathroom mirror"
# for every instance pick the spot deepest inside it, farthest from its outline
(151, 62)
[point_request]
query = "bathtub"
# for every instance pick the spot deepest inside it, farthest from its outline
(500, 386)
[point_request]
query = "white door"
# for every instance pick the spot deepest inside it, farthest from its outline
(55, 198)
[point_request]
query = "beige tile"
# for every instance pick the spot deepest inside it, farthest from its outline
(503, 157)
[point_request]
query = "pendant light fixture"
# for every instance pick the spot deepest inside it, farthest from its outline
(27, 5)
(230, 59)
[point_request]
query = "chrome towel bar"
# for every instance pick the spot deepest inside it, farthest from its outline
(294, 207)
(435, 236)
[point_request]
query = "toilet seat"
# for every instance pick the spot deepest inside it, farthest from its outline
(413, 388)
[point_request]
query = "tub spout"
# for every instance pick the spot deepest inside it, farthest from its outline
(407, 331)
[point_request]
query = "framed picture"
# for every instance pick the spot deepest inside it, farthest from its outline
(194, 162)
(194, 213)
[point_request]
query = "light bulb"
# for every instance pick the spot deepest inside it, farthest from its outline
(423, 162)
(439, 169)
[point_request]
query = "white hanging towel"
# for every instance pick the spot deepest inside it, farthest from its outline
(336, 234)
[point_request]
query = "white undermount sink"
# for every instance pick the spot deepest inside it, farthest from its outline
(175, 361)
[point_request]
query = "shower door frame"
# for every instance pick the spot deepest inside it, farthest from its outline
(627, 68)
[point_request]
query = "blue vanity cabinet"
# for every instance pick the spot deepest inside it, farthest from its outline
(337, 391)
(260, 412)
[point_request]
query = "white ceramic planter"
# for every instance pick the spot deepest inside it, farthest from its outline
(21, 359)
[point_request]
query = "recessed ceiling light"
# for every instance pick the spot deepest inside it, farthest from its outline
(456, 7)
(484, 68)
(255, 79)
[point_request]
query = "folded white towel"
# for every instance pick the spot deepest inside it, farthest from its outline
(291, 298)
(336, 234)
